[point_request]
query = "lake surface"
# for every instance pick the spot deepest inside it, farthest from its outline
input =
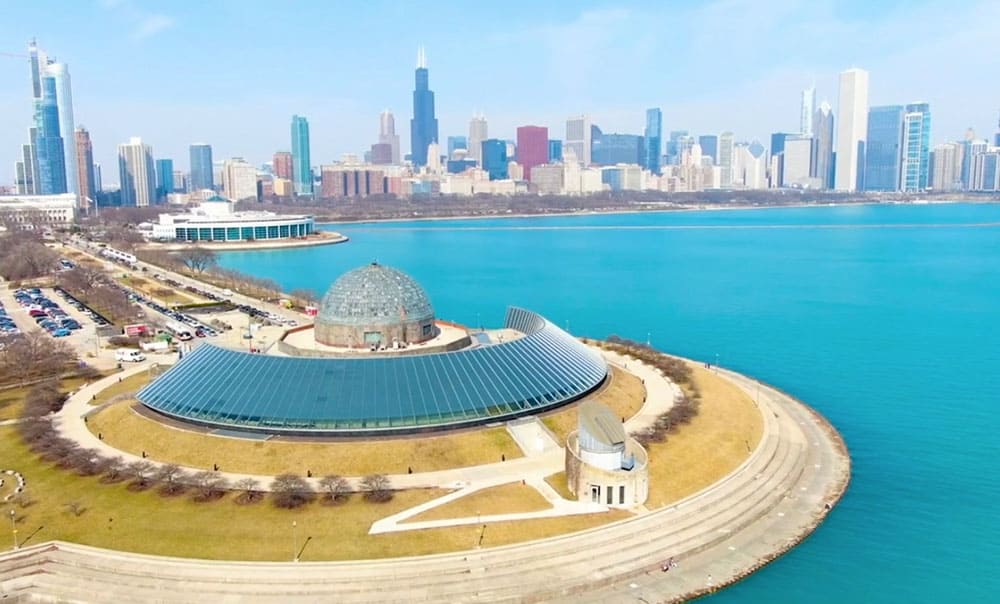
(884, 318)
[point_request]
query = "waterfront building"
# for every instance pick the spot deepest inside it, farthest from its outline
(852, 127)
(653, 140)
(478, 132)
(946, 167)
(796, 162)
(164, 179)
(749, 166)
(603, 463)
(612, 149)
(375, 322)
(547, 179)
(985, 171)
(495, 158)
(915, 161)
(36, 211)
(555, 150)
(387, 136)
(726, 152)
(85, 168)
(882, 156)
(137, 173)
(423, 126)
(302, 176)
(202, 176)
(822, 164)
(215, 221)
(239, 179)
(281, 164)
(709, 147)
(579, 138)
(515, 171)
(346, 181)
(532, 148)
(807, 110)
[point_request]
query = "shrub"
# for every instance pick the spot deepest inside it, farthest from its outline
(377, 488)
(290, 491)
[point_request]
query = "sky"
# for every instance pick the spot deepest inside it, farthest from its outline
(232, 73)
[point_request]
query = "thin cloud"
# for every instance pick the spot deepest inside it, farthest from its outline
(151, 25)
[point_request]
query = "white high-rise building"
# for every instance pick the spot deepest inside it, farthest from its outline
(807, 110)
(387, 134)
(478, 132)
(137, 174)
(796, 166)
(67, 130)
(852, 129)
(726, 160)
(946, 169)
(239, 179)
(578, 138)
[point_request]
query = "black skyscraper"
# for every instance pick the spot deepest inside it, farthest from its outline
(423, 126)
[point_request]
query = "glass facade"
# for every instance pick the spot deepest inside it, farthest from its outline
(50, 159)
(709, 146)
(201, 167)
(916, 149)
(555, 150)
(372, 295)
(302, 179)
(495, 158)
(545, 368)
(164, 178)
(423, 126)
(612, 149)
(224, 232)
(654, 139)
(882, 150)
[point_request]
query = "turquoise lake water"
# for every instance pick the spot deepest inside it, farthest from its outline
(884, 318)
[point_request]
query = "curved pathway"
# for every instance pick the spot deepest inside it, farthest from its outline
(772, 501)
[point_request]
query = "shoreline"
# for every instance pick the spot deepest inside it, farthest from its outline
(653, 210)
(730, 547)
(332, 239)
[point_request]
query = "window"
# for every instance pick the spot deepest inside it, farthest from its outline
(247, 233)
(232, 233)
(283, 230)
(272, 232)
(621, 494)
(611, 495)
(218, 234)
(260, 232)
(205, 234)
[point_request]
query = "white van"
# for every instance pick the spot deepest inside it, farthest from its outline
(129, 355)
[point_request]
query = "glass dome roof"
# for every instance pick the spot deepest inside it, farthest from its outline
(374, 295)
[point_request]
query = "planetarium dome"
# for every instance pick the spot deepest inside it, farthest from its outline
(374, 306)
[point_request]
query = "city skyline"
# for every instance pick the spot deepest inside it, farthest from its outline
(752, 101)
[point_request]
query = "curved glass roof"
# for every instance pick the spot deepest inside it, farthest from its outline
(237, 390)
(374, 295)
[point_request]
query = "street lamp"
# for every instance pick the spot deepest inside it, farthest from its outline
(13, 527)
(295, 542)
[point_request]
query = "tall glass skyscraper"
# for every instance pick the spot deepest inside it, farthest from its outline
(64, 103)
(164, 178)
(423, 126)
(916, 147)
(709, 144)
(302, 179)
(822, 163)
(201, 167)
(49, 150)
(555, 150)
(882, 157)
(495, 158)
(654, 139)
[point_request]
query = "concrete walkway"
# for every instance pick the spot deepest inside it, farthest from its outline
(767, 505)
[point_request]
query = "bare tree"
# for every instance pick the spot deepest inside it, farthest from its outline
(115, 469)
(249, 490)
(336, 488)
(141, 473)
(305, 295)
(197, 258)
(208, 485)
(171, 479)
(291, 491)
(76, 508)
(377, 488)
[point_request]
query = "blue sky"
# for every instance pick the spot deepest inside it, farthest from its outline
(232, 73)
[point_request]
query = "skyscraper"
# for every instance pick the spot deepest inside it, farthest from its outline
(202, 176)
(64, 104)
(882, 157)
(478, 132)
(455, 143)
(996, 137)
(387, 134)
(50, 178)
(495, 158)
(532, 148)
(423, 126)
(579, 138)
(946, 167)
(822, 164)
(654, 139)
(612, 149)
(302, 180)
(85, 168)
(239, 179)
(709, 144)
(807, 110)
(137, 174)
(164, 179)
(726, 152)
(282, 164)
(555, 150)
(915, 167)
(852, 127)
